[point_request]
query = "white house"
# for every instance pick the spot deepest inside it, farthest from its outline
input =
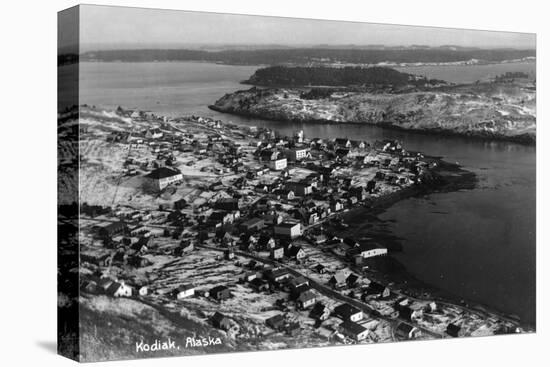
(297, 154)
(278, 164)
(342, 142)
(162, 177)
(306, 299)
(366, 251)
(153, 134)
(299, 136)
(117, 289)
(288, 229)
(184, 291)
(374, 252)
(295, 252)
(336, 205)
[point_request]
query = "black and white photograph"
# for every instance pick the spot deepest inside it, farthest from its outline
(319, 184)
(274, 183)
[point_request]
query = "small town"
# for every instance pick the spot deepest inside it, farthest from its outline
(238, 230)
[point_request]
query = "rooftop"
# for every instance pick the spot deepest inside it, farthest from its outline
(353, 327)
(288, 224)
(163, 172)
(345, 309)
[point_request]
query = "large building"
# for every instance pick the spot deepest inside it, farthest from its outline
(162, 177)
(297, 154)
(288, 229)
(112, 229)
(366, 250)
(278, 164)
(228, 204)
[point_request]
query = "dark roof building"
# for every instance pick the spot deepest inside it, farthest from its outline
(220, 293)
(276, 322)
(306, 299)
(319, 311)
(162, 177)
(348, 312)
(227, 204)
(295, 252)
(180, 204)
(253, 224)
(338, 280)
(354, 330)
(221, 321)
(163, 172)
(406, 331)
(453, 330)
(112, 229)
(277, 275)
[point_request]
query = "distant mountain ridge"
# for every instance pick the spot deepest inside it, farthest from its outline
(304, 55)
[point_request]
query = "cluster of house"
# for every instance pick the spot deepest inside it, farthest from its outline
(127, 236)
(111, 287)
(349, 326)
(312, 198)
(322, 156)
(270, 218)
(162, 140)
(323, 192)
(262, 228)
(305, 298)
(397, 166)
(219, 293)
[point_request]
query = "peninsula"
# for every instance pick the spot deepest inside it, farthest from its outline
(503, 108)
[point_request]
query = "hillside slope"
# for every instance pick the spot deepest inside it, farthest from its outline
(506, 111)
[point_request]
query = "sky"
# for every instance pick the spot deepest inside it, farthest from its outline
(103, 27)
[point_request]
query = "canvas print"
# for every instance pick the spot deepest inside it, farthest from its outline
(235, 183)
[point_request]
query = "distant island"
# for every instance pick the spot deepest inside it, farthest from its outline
(300, 76)
(501, 109)
(316, 55)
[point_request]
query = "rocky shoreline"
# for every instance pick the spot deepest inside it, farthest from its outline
(524, 139)
(471, 112)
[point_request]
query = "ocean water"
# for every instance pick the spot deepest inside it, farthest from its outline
(477, 244)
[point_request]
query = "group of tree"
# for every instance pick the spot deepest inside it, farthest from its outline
(329, 76)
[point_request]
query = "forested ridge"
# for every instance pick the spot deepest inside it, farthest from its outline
(328, 76)
(311, 55)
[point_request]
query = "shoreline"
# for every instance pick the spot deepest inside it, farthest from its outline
(396, 65)
(454, 178)
(394, 273)
(520, 139)
(447, 177)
